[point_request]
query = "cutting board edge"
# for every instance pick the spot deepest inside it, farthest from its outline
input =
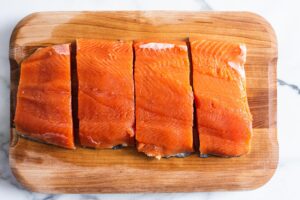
(270, 31)
(21, 178)
(21, 175)
(258, 19)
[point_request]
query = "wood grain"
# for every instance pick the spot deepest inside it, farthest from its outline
(44, 168)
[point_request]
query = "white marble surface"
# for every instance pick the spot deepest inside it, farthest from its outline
(283, 15)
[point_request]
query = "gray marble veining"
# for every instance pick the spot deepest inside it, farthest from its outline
(290, 85)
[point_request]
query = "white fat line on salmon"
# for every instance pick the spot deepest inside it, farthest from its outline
(62, 49)
(236, 66)
(183, 47)
(160, 46)
(238, 69)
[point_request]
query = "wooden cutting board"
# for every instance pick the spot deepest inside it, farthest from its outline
(45, 168)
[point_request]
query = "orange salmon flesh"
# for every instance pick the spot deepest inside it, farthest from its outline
(140, 93)
(224, 121)
(105, 93)
(164, 98)
(43, 110)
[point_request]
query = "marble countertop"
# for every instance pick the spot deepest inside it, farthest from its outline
(283, 15)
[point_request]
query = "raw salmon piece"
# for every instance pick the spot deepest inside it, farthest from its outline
(105, 93)
(164, 98)
(43, 109)
(223, 116)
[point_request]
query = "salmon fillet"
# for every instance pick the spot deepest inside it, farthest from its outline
(43, 110)
(164, 98)
(105, 93)
(224, 120)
